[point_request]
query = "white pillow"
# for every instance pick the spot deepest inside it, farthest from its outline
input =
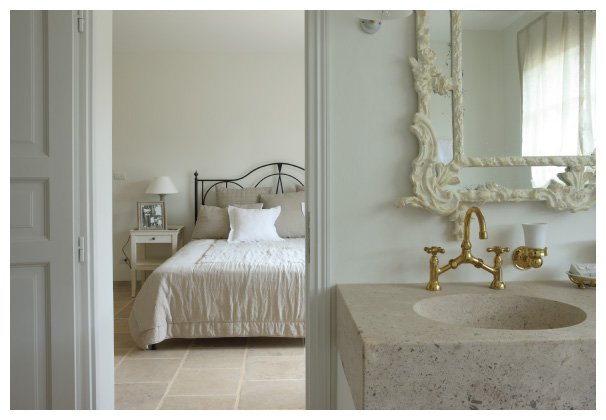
(252, 225)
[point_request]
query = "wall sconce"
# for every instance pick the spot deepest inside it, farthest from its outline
(535, 238)
(372, 19)
(162, 185)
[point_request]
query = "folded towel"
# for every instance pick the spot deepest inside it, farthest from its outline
(583, 269)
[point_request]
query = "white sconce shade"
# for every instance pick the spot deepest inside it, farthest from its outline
(371, 19)
(382, 14)
(162, 185)
(535, 235)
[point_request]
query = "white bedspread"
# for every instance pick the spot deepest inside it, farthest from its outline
(211, 288)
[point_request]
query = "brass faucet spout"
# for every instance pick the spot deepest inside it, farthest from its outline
(481, 221)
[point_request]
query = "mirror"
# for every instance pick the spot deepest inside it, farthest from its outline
(498, 114)
(441, 105)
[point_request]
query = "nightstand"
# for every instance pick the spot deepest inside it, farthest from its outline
(139, 262)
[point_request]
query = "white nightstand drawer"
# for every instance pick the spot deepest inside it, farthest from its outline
(156, 239)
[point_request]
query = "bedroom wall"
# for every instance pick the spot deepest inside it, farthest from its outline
(372, 103)
(219, 114)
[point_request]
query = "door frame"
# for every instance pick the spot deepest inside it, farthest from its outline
(93, 194)
(319, 364)
(320, 355)
(99, 56)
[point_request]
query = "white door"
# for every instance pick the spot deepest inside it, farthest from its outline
(43, 250)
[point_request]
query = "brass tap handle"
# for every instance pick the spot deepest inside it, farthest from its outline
(498, 250)
(434, 250)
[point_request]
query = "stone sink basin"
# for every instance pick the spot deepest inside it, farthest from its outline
(530, 346)
(501, 312)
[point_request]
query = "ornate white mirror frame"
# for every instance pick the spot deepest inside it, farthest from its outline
(575, 192)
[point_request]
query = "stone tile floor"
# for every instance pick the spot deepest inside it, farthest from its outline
(205, 374)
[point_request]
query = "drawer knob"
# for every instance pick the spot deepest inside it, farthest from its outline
(153, 238)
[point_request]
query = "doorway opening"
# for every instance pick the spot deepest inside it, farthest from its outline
(217, 92)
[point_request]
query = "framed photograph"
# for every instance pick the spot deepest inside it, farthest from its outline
(151, 215)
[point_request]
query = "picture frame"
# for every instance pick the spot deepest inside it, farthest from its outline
(151, 215)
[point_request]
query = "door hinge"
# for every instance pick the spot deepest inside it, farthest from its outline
(81, 249)
(308, 239)
(80, 20)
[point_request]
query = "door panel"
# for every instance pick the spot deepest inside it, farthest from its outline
(29, 106)
(42, 211)
(29, 305)
(29, 207)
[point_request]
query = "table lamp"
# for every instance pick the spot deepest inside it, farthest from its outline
(162, 185)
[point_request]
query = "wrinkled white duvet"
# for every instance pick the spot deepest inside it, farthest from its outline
(211, 288)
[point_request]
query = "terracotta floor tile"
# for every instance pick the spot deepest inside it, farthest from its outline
(123, 340)
(118, 307)
(206, 382)
(275, 346)
(124, 312)
(218, 402)
(138, 396)
(119, 355)
(122, 295)
(271, 367)
(119, 304)
(121, 325)
(272, 395)
(148, 370)
(205, 357)
(205, 374)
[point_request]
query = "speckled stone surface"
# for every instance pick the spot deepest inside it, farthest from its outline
(394, 358)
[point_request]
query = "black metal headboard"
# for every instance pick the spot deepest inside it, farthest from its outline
(201, 190)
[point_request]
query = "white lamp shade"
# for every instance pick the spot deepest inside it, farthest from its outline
(162, 185)
(535, 235)
(382, 14)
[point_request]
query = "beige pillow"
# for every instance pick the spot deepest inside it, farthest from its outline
(299, 188)
(234, 196)
(291, 222)
(213, 222)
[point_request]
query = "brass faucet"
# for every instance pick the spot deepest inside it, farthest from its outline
(466, 258)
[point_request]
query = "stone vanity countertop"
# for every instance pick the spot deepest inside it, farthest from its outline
(376, 324)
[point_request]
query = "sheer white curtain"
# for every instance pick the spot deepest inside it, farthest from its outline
(557, 56)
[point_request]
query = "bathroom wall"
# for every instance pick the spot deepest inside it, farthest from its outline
(372, 103)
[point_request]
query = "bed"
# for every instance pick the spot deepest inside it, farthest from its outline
(237, 277)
